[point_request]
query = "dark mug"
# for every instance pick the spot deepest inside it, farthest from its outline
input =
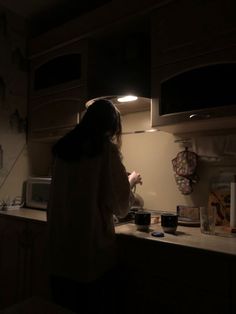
(142, 220)
(169, 222)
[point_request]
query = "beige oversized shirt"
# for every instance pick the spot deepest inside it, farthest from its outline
(84, 196)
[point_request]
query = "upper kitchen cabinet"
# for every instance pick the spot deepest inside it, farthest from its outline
(185, 29)
(58, 81)
(104, 17)
(58, 69)
(52, 116)
(194, 66)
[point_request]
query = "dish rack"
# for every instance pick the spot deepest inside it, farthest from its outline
(11, 204)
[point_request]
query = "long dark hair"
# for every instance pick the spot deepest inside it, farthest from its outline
(100, 123)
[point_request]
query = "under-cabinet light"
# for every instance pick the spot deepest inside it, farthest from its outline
(127, 98)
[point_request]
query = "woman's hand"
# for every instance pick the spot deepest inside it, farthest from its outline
(134, 178)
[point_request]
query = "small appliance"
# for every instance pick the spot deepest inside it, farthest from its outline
(37, 192)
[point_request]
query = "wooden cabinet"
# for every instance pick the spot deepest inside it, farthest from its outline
(110, 61)
(232, 284)
(39, 279)
(23, 263)
(57, 90)
(200, 118)
(51, 116)
(186, 29)
(187, 36)
(59, 69)
(174, 279)
(11, 261)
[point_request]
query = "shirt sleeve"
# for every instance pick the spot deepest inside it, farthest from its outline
(120, 192)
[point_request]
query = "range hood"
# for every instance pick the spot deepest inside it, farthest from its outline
(135, 113)
(139, 104)
(120, 66)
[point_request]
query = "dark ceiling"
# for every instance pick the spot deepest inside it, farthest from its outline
(57, 15)
(43, 15)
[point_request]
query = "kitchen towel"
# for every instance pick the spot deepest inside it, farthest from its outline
(209, 147)
(213, 148)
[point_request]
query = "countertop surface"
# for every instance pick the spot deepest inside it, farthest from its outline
(221, 242)
(26, 213)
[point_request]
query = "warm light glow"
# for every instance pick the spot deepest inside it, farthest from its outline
(127, 98)
(151, 130)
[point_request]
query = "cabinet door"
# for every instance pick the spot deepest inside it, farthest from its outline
(23, 260)
(173, 279)
(187, 35)
(233, 288)
(39, 280)
(184, 29)
(194, 120)
(57, 91)
(12, 260)
(51, 116)
(60, 68)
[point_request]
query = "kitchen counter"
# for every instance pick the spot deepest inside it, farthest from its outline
(35, 305)
(149, 267)
(222, 242)
(26, 214)
(174, 272)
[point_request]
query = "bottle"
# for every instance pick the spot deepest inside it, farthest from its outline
(233, 203)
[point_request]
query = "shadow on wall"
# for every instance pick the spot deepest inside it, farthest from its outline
(40, 158)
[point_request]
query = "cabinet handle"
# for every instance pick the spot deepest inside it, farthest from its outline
(196, 116)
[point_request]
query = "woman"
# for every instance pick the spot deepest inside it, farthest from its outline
(89, 185)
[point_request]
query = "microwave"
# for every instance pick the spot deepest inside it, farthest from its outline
(37, 192)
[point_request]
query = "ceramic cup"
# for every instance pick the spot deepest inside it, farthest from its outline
(142, 220)
(169, 222)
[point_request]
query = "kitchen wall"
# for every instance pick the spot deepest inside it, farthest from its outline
(40, 158)
(151, 154)
(13, 104)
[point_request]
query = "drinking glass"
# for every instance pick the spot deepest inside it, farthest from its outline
(208, 219)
